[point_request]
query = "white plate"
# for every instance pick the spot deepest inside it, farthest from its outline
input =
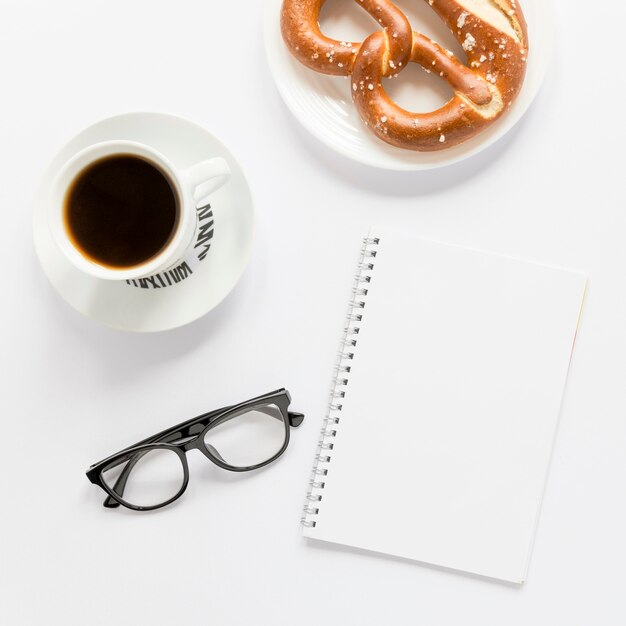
(127, 307)
(323, 105)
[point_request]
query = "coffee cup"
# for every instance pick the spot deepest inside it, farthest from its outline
(121, 210)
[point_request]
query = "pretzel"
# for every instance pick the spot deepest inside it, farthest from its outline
(483, 90)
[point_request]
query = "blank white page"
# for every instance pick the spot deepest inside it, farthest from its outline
(447, 427)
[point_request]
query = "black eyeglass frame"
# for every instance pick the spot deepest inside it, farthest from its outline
(186, 436)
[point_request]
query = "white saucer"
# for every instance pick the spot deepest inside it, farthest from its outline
(128, 307)
(323, 105)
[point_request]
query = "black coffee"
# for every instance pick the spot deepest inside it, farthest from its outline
(121, 211)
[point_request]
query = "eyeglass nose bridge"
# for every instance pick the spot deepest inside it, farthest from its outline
(196, 442)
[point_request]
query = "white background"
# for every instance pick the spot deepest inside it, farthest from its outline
(230, 552)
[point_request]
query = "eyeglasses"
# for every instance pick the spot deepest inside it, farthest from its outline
(154, 472)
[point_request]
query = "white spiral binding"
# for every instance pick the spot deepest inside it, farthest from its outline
(331, 423)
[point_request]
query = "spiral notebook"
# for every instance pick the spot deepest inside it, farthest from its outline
(445, 404)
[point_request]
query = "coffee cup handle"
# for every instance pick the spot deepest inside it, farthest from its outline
(206, 177)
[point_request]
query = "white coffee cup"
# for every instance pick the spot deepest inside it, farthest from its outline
(192, 187)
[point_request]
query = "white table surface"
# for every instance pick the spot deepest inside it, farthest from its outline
(230, 552)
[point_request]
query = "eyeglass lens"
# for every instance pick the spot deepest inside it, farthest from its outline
(154, 476)
(249, 437)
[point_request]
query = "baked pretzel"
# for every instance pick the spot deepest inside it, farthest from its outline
(483, 90)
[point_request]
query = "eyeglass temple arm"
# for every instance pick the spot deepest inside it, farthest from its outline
(182, 430)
